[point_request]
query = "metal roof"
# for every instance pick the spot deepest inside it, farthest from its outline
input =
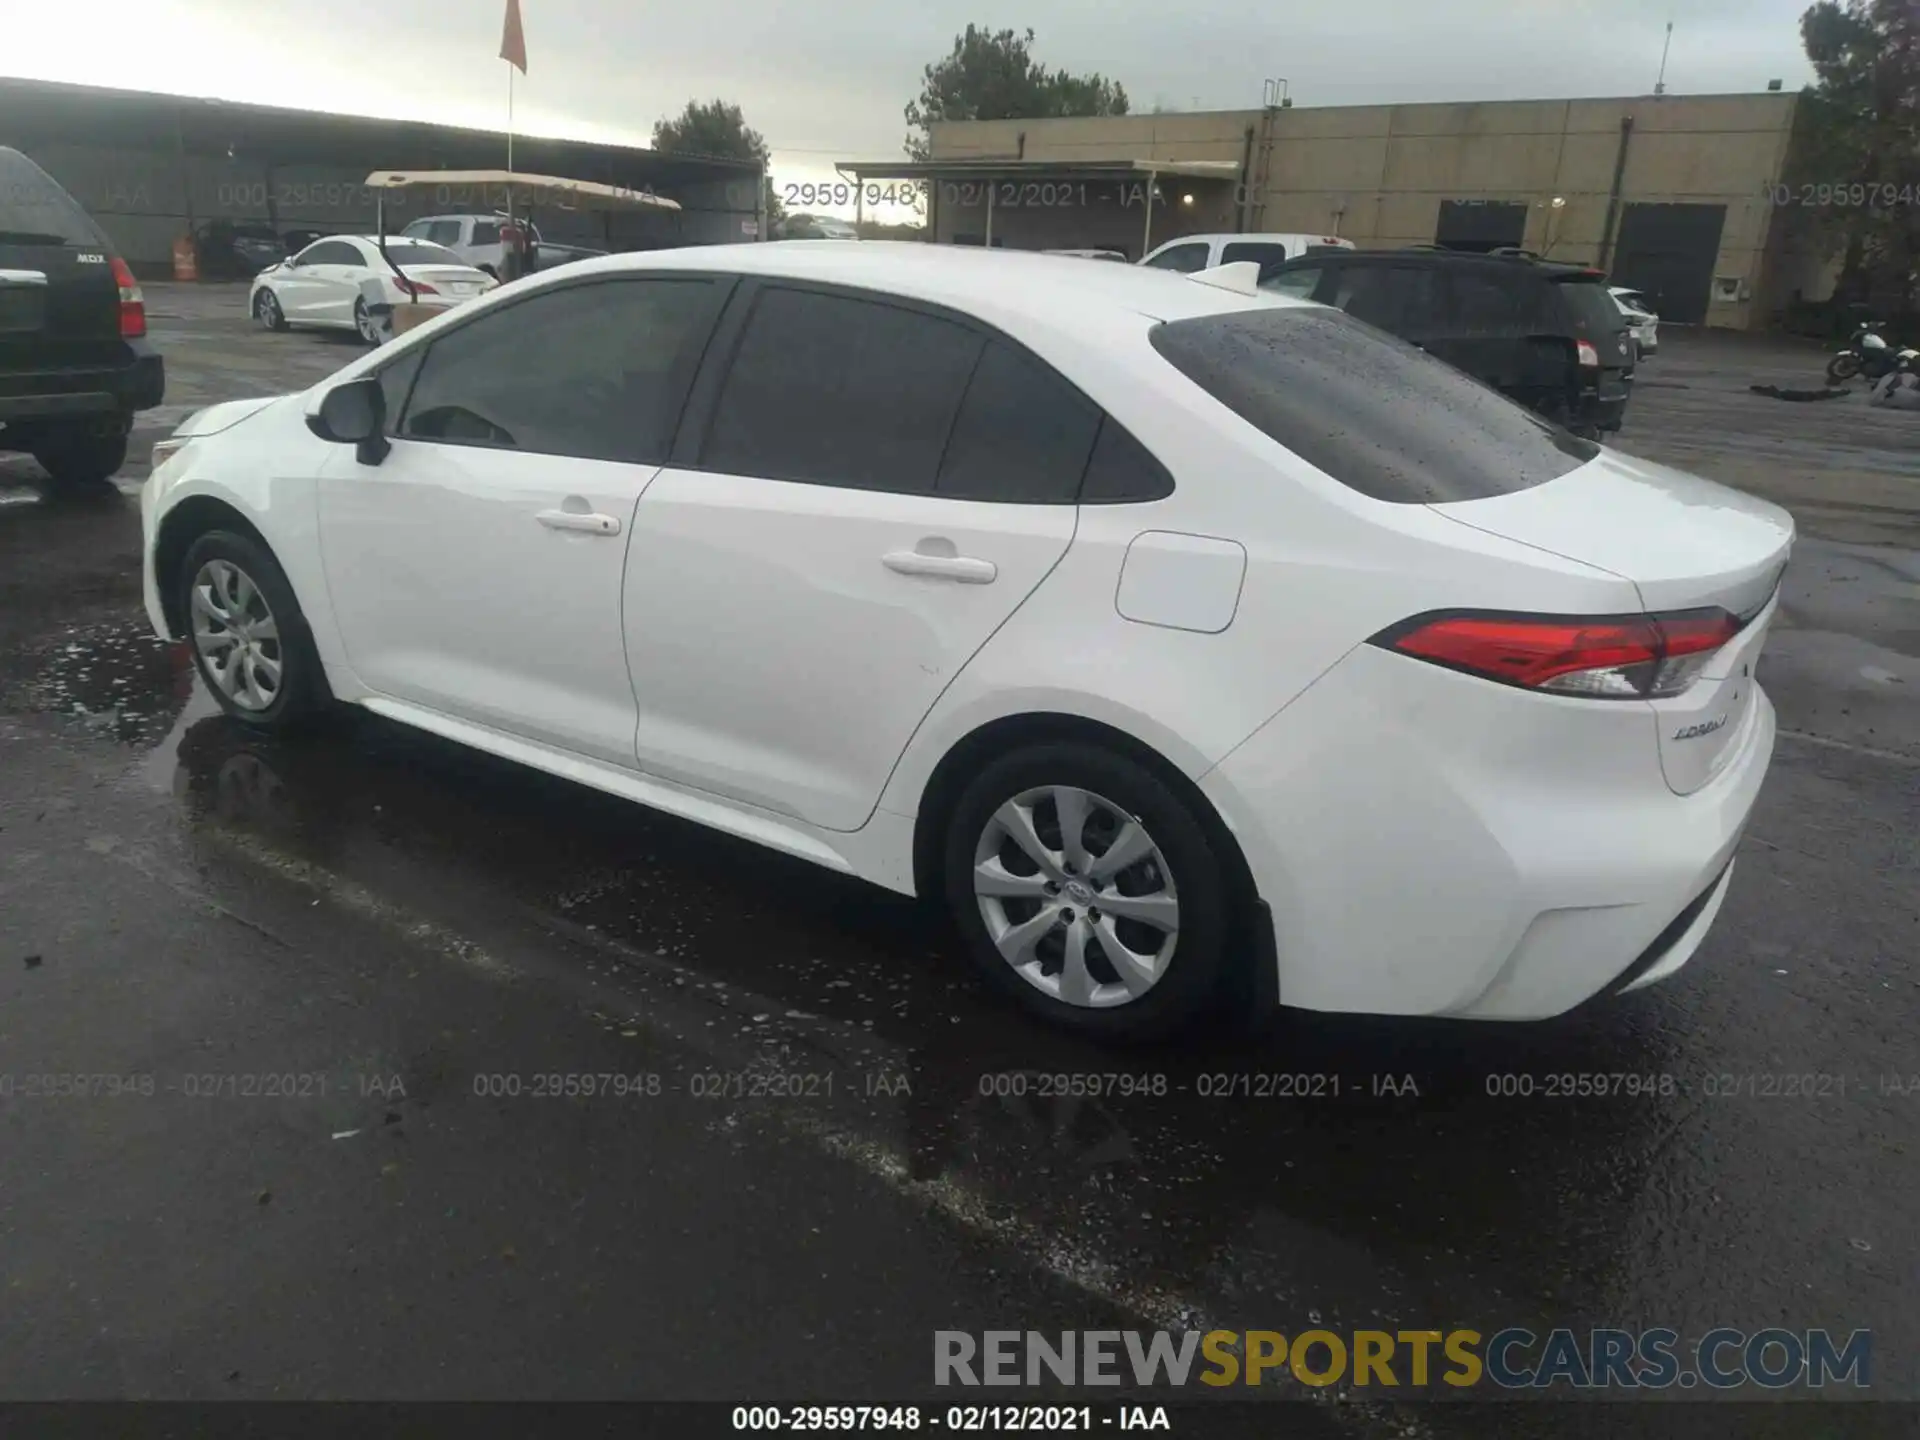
(989, 167)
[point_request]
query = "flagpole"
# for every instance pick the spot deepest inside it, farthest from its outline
(509, 117)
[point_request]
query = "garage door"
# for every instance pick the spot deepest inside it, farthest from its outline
(1667, 253)
(1480, 225)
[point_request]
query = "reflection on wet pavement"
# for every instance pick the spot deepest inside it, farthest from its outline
(112, 678)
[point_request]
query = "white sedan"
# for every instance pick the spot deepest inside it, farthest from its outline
(1642, 323)
(1114, 607)
(343, 282)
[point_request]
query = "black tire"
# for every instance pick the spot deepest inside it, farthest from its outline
(266, 309)
(1194, 970)
(1842, 367)
(80, 460)
(302, 691)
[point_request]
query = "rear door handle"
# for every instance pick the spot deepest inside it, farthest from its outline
(964, 568)
(574, 520)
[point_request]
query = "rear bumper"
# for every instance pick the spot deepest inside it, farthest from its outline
(1433, 844)
(85, 394)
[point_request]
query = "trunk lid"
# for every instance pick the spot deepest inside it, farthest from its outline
(448, 279)
(1684, 543)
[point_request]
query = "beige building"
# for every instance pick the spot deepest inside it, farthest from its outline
(1674, 195)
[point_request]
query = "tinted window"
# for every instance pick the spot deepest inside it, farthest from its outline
(1592, 308)
(1369, 410)
(1482, 302)
(1266, 253)
(1300, 283)
(1022, 434)
(596, 371)
(1182, 258)
(1122, 471)
(33, 204)
(1399, 298)
(330, 252)
(485, 232)
(839, 391)
(420, 229)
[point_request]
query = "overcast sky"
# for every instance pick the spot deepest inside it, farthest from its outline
(825, 82)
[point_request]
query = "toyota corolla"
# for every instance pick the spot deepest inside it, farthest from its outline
(1185, 641)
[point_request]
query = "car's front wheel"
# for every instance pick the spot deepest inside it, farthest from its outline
(1089, 890)
(266, 309)
(250, 641)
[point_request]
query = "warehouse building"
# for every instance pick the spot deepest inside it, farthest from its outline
(152, 168)
(1677, 196)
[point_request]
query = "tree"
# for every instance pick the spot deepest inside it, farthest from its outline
(993, 76)
(1858, 140)
(718, 130)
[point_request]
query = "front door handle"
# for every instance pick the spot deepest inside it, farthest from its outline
(964, 568)
(575, 520)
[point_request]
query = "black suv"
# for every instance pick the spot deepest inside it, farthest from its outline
(74, 359)
(1544, 334)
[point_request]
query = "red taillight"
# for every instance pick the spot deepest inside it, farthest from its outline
(133, 304)
(1619, 657)
(414, 287)
(1588, 355)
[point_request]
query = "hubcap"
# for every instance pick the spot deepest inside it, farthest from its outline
(236, 636)
(1076, 896)
(269, 308)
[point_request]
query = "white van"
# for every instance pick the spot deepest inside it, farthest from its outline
(1202, 252)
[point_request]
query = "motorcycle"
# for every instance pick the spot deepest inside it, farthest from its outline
(1866, 354)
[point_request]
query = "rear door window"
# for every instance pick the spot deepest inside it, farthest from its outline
(1299, 282)
(1401, 299)
(832, 390)
(1369, 410)
(1022, 436)
(1265, 253)
(485, 232)
(1181, 259)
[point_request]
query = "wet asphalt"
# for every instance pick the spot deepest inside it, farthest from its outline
(314, 968)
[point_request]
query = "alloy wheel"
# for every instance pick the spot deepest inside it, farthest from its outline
(236, 636)
(269, 310)
(1076, 896)
(363, 321)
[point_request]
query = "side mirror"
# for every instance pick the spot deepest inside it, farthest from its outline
(355, 414)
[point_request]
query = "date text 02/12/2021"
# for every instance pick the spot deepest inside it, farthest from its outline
(1004, 194)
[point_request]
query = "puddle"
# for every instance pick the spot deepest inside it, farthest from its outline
(114, 679)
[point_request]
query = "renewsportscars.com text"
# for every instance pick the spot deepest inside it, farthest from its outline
(1512, 1358)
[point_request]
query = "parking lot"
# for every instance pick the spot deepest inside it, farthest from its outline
(825, 1170)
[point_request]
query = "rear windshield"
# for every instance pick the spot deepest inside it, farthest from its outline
(420, 252)
(1591, 306)
(1374, 412)
(33, 208)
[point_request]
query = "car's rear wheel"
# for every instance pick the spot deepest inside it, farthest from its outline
(250, 641)
(77, 459)
(266, 309)
(364, 323)
(1089, 890)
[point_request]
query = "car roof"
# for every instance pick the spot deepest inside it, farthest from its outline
(972, 279)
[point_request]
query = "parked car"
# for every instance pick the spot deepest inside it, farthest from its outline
(297, 240)
(229, 251)
(1641, 321)
(1299, 664)
(1202, 252)
(75, 361)
(477, 241)
(1544, 334)
(341, 283)
(815, 227)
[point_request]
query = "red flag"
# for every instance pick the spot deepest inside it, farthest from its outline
(513, 40)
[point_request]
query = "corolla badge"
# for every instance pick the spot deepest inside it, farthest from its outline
(1705, 727)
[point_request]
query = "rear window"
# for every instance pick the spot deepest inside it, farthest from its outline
(1591, 306)
(33, 205)
(1376, 414)
(421, 252)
